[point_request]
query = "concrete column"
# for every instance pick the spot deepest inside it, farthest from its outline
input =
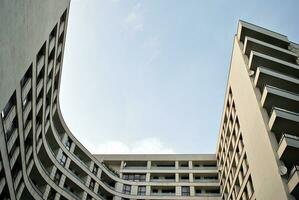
(99, 173)
(53, 172)
(62, 180)
(47, 190)
(149, 164)
(148, 190)
(58, 156)
(73, 145)
(121, 169)
(190, 164)
(57, 196)
(64, 138)
(88, 178)
(84, 196)
(177, 177)
(91, 166)
(119, 187)
(191, 177)
(178, 191)
(117, 198)
(192, 191)
(96, 187)
(122, 165)
(134, 189)
(176, 164)
(148, 177)
(67, 163)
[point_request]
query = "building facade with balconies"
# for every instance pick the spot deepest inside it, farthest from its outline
(167, 175)
(257, 151)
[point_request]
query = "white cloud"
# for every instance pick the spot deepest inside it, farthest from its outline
(144, 146)
(134, 20)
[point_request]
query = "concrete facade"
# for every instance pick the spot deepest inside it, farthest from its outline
(165, 174)
(257, 151)
(260, 110)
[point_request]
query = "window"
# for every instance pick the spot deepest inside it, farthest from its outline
(134, 177)
(9, 117)
(62, 159)
(52, 194)
(127, 189)
(95, 170)
(91, 184)
(141, 190)
(88, 197)
(185, 191)
(68, 143)
(57, 177)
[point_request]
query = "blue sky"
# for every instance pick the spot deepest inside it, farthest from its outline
(150, 76)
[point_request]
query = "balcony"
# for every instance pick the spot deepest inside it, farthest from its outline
(252, 44)
(54, 108)
(247, 29)
(265, 76)
(163, 191)
(51, 44)
(288, 150)
(282, 121)
(275, 97)
(39, 105)
(17, 179)
(59, 48)
(28, 154)
(40, 63)
(57, 68)
(20, 190)
(38, 130)
(50, 66)
(27, 129)
(293, 183)
(14, 157)
(61, 28)
(49, 84)
(2, 184)
(27, 111)
(10, 117)
(30, 166)
(26, 88)
(257, 59)
(12, 140)
(39, 86)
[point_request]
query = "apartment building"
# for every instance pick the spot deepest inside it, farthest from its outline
(257, 151)
(167, 175)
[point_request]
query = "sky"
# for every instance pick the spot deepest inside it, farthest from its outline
(149, 76)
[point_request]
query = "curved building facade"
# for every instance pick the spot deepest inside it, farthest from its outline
(40, 158)
(257, 152)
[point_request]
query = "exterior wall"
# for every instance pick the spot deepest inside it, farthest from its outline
(260, 143)
(40, 158)
(257, 139)
(206, 168)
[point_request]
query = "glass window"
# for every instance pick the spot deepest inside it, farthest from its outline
(185, 191)
(91, 184)
(68, 143)
(127, 189)
(57, 177)
(62, 159)
(95, 170)
(141, 190)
